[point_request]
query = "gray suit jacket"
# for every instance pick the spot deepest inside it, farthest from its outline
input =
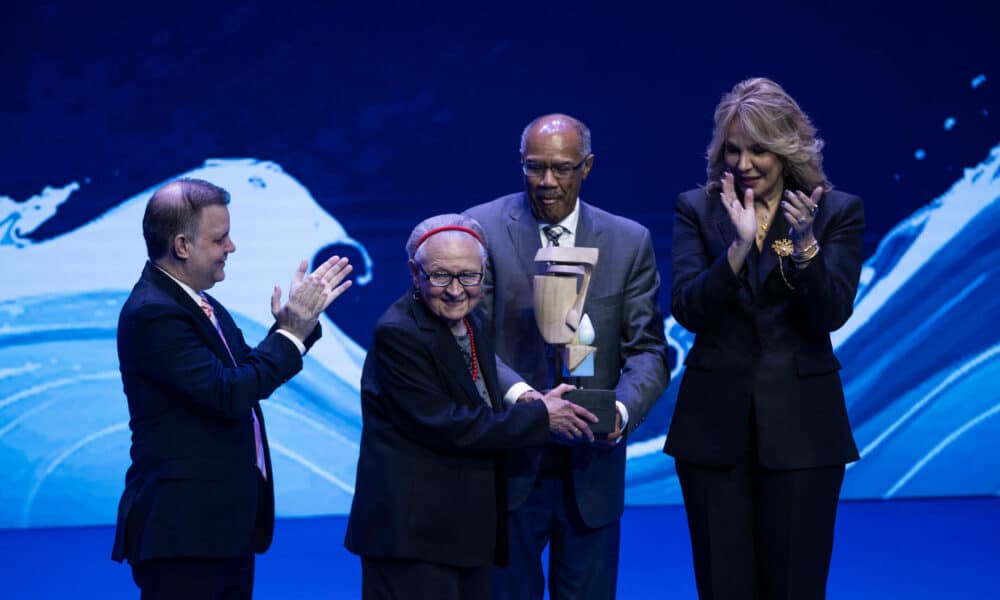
(621, 304)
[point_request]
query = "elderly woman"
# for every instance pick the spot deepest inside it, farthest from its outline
(766, 261)
(429, 512)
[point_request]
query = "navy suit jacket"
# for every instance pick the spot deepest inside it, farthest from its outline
(430, 483)
(622, 306)
(192, 487)
(759, 343)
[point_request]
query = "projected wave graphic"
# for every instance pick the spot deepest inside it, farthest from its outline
(920, 354)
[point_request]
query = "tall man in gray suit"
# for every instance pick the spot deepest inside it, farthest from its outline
(570, 498)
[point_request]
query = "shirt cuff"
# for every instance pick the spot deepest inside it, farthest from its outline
(624, 413)
(515, 392)
(291, 336)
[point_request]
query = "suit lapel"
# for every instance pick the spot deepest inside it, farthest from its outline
(445, 350)
(768, 257)
(201, 322)
(723, 224)
(226, 326)
(590, 234)
(523, 230)
(718, 220)
(726, 229)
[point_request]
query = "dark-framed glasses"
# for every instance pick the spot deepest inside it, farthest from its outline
(533, 168)
(444, 278)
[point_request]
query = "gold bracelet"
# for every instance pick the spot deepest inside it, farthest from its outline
(806, 255)
(807, 249)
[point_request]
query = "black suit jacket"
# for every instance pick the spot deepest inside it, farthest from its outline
(430, 484)
(760, 344)
(622, 306)
(192, 487)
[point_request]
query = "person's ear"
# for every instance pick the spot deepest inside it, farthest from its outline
(180, 247)
(415, 273)
(588, 164)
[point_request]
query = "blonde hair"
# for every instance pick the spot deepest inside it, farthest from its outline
(770, 117)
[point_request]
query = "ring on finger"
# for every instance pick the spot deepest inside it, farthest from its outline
(801, 220)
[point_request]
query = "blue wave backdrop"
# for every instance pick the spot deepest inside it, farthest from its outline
(337, 128)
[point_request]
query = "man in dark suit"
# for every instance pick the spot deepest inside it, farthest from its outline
(199, 494)
(569, 497)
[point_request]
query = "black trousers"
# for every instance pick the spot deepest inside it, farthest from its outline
(758, 534)
(393, 579)
(195, 578)
(583, 561)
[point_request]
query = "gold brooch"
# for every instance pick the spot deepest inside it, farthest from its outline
(783, 248)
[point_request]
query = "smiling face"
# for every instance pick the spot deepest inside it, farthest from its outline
(554, 143)
(451, 253)
(204, 254)
(752, 166)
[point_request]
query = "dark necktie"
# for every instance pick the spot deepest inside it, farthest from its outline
(554, 232)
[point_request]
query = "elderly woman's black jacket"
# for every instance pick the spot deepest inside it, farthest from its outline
(430, 484)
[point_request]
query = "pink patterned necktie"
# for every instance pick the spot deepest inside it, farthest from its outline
(257, 438)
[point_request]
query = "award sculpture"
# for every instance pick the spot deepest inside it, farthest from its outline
(560, 293)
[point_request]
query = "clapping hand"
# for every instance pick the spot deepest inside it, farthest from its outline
(742, 212)
(309, 295)
(800, 211)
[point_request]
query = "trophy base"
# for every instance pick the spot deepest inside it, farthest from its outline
(599, 402)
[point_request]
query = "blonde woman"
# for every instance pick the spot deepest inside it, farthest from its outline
(766, 261)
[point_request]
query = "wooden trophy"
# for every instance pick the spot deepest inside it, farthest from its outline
(560, 293)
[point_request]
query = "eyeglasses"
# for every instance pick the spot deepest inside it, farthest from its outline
(444, 279)
(559, 171)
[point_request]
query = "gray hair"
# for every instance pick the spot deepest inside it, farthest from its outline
(771, 118)
(415, 253)
(559, 120)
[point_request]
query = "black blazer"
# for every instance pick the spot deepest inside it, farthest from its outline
(760, 344)
(623, 307)
(430, 484)
(192, 487)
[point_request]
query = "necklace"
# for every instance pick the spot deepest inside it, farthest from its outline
(472, 347)
(763, 222)
(762, 227)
